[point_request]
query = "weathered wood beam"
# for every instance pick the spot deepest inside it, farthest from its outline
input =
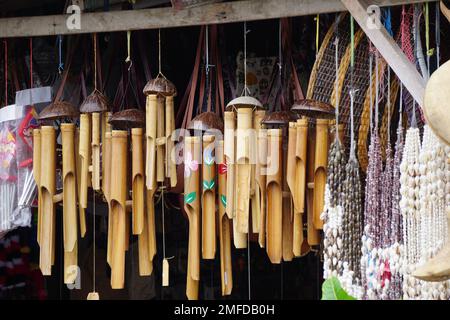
(225, 12)
(388, 48)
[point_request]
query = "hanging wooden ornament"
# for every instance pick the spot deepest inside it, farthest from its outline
(274, 196)
(192, 158)
(224, 223)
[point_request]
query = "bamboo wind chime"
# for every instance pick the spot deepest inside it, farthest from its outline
(44, 167)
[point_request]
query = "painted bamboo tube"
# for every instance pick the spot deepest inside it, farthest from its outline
(171, 168)
(36, 174)
(70, 225)
(151, 228)
(150, 133)
(208, 201)
(96, 135)
(274, 196)
(161, 134)
(320, 170)
(301, 145)
(224, 225)
(192, 156)
(84, 151)
(118, 195)
(243, 168)
(48, 189)
(313, 235)
(106, 181)
(81, 210)
(256, 169)
(138, 183)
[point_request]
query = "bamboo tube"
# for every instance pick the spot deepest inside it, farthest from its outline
(192, 156)
(151, 229)
(106, 181)
(69, 202)
(106, 127)
(36, 174)
(208, 199)
(301, 145)
(150, 133)
(171, 168)
(239, 239)
(81, 210)
(48, 189)
(287, 228)
(145, 263)
(84, 151)
(274, 196)
(312, 233)
(243, 167)
(138, 180)
(320, 170)
(160, 147)
(96, 151)
(256, 170)
(290, 207)
(261, 166)
(118, 195)
(226, 271)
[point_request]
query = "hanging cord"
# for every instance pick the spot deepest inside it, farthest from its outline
(246, 89)
(377, 100)
(317, 33)
(370, 89)
(280, 65)
(430, 52)
(94, 39)
(93, 240)
(31, 62)
(438, 34)
(400, 109)
(61, 63)
(352, 89)
(5, 42)
(159, 56)
(389, 104)
(336, 83)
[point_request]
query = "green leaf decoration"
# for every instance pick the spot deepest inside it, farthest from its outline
(223, 199)
(208, 185)
(332, 290)
(190, 197)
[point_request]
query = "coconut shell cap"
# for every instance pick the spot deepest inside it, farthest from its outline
(59, 110)
(95, 102)
(281, 118)
(161, 86)
(128, 118)
(314, 109)
(244, 102)
(206, 121)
